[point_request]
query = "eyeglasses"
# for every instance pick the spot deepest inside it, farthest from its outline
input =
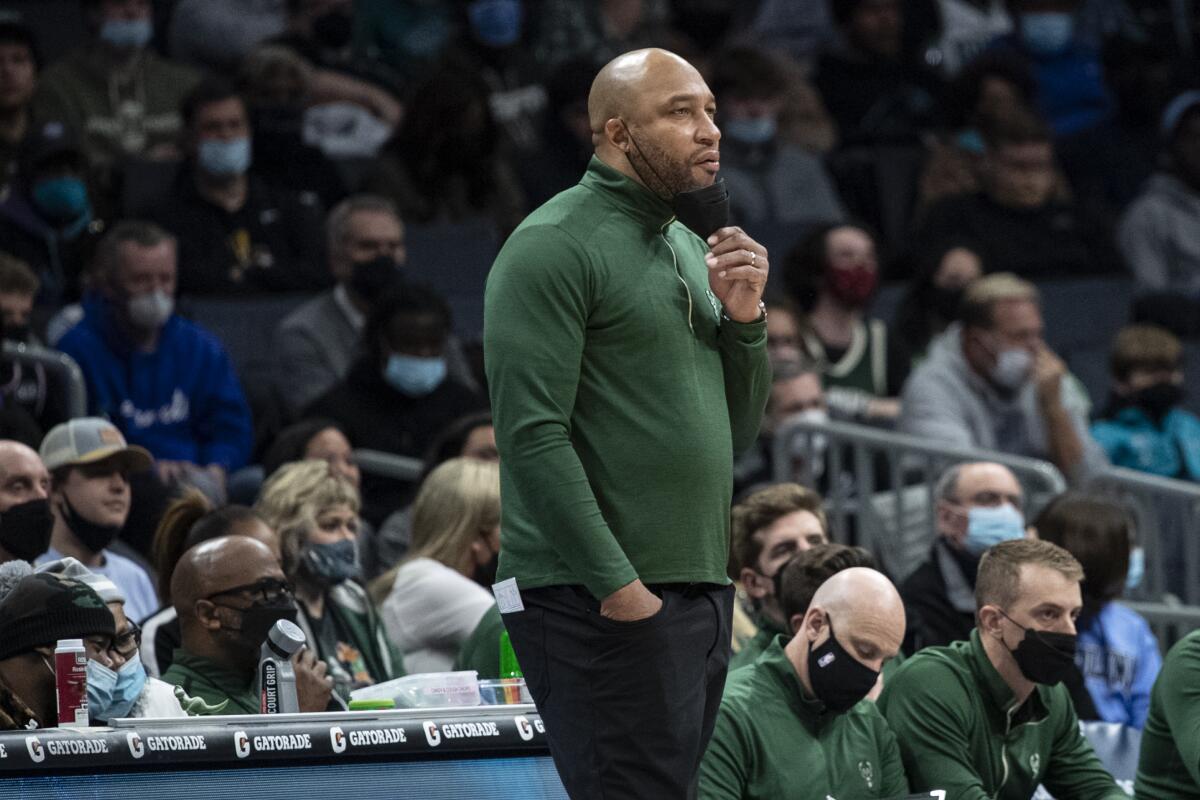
(126, 645)
(269, 590)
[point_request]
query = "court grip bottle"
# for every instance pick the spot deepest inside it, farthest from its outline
(70, 683)
(276, 678)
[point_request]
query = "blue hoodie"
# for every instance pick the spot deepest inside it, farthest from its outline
(1119, 659)
(181, 402)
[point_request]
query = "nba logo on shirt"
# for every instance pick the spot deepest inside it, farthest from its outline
(825, 660)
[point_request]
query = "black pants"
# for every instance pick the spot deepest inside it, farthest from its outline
(629, 707)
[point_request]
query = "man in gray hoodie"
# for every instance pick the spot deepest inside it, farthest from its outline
(1160, 232)
(991, 382)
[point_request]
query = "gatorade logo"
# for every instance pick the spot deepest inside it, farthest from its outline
(137, 748)
(432, 735)
(36, 752)
(337, 740)
(241, 744)
(524, 728)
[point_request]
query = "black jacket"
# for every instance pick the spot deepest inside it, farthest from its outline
(933, 619)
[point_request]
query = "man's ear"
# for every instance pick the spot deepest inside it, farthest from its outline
(46, 650)
(814, 623)
(756, 586)
(989, 621)
(208, 615)
(616, 132)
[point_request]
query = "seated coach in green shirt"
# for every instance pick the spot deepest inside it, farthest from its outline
(989, 718)
(1169, 766)
(794, 725)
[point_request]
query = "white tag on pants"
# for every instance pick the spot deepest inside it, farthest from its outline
(508, 596)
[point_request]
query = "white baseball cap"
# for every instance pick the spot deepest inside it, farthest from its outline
(88, 440)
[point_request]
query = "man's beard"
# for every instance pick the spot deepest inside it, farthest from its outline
(662, 174)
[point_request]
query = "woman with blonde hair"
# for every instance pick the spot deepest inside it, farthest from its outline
(315, 512)
(432, 600)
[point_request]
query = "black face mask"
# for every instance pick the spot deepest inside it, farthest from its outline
(334, 29)
(91, 535)
(25, 529)
(258, 619)
(369, 279)
(838, 679)
(1044, 656)
(1158, 399)
(704, 210)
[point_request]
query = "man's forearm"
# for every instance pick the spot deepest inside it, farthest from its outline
(1066, 449)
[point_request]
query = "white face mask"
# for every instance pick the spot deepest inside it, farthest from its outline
(1012, 368)
(800, 445)
(151, 310)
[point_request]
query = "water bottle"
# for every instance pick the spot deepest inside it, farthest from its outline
(511, 676)
(276, 676)
(70, 682)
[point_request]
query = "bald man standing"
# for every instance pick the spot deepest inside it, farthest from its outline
(626, 359)
(794, 725)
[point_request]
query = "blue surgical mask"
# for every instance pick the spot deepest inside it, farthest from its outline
(62, 199)
(334, 562)
(224, 158)
(1137, 569)
(990, 525)
(1047, 33)
(413, 375)
(111, 695)
(751, 130)
(127, 34)
(496, 23)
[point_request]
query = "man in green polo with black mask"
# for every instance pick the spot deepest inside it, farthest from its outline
(989, 718)
(794, 725)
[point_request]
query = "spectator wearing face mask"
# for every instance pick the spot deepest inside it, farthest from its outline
(90, 465)
(229, 592)
(322, 33)
(768, 528)
(771, 182)
(1021, 220)
(931, 302)
(991, 382)
(399, 393)
(832, 276)
(48, 219)
(121, 687)
(1118, 655)
(167, 383)
(1145, 426)
(25, 519)
(187, 522)
(32, 387)
(315, 512)
(988, 717)
(236, 233)
(977, 506)
(114, 93)
(795, 722)
(39, 610)
(317, 343)
(796, 393)
(432, 600)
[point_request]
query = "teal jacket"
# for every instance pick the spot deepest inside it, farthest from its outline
(961, 730)
(771, 741)
(619, 393)
(1132, 440)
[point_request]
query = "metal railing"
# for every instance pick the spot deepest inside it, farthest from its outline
(878, 485)
(1167, 512)
(389, 465)
(1169, 621)
(58, 363)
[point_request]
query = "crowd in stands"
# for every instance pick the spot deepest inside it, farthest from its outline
(966, 153)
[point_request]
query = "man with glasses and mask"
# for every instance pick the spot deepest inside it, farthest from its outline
(119, 688)
(90, 465)
(768, 528)
(989, 718)
(41, 609)
(229, 592)
(794, 725)
(991, 382)
(978, 505)
(625, 347)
